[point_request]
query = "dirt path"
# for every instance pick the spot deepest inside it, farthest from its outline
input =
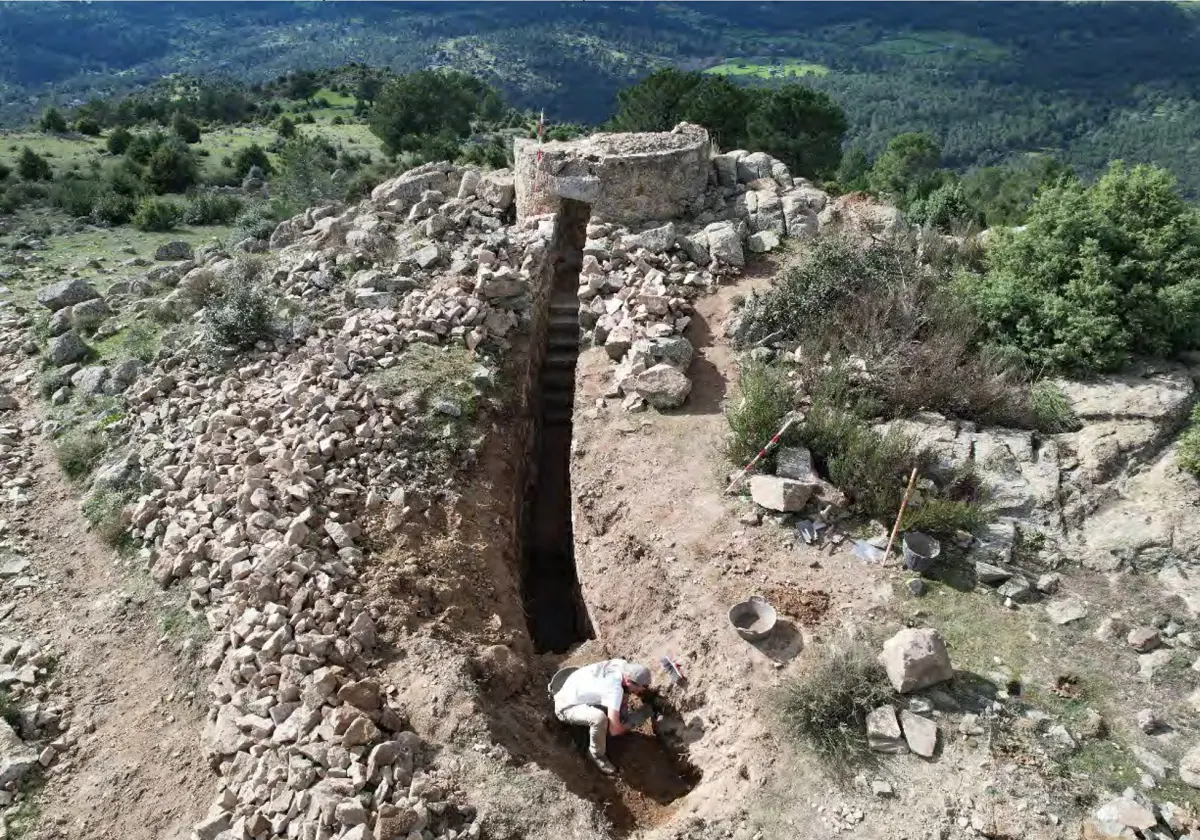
(136, 769)
(662, 556)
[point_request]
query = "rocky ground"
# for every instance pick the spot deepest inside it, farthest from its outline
(289, 603)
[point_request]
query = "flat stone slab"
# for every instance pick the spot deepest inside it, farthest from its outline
(1066, 610)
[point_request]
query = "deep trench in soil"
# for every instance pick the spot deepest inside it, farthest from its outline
(554, 603)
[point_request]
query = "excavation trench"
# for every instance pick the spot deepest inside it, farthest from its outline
(553, 602)
(654, 773)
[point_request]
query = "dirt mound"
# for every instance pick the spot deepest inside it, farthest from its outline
(806, 606)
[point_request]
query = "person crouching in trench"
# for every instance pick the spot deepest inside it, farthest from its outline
(593, 697)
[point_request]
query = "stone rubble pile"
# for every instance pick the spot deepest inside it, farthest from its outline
(636, 287)
(264, 477)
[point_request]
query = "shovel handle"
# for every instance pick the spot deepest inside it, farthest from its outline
(912, 479)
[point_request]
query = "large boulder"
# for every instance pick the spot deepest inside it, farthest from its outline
(800, 219)
(173, 251)
(916, 659)
(497, 189)
(66, 348)
(66, 293)
(663, 386)
(779, 494)
(89, 314)
(656, 240)
(724, 244)
(90, 380)
(753, 166)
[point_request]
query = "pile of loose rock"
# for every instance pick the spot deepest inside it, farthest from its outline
(265, 473)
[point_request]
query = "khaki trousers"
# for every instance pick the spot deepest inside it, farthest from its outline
(595, 719)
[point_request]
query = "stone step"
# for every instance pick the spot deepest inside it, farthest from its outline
(562, 359)
(563, 339)
(564, 321)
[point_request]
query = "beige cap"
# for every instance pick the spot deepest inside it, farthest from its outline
(636, 673)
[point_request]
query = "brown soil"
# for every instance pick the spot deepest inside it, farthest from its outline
(137, 772)
(806, 606)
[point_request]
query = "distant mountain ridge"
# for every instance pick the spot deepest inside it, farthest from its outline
(1090, 81)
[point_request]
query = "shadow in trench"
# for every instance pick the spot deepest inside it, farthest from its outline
(554, 604)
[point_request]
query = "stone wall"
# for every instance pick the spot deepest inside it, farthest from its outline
(626, 178)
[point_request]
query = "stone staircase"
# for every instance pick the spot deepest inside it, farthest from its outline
(558, 369)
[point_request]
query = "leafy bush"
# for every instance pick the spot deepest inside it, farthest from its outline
(88, 127)
(185, 128)
(157, 215)
(256, 221)
(766, 399)
(211, 209)
(286, 128)
(251, 156)
(305, 167)
(825, 706)
(118, 142)
(5, 171)
(33, 167)
(1189, 446)
(245, 313)
(75, 196)
(1098, 275)
(172, 168)
(904, 324)
(430, 112)
(944, 209)
(53, 121)
(79, 452)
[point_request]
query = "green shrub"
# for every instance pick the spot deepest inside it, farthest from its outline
(766, 399)
(157, 215)
(33, 167)
(88, 126)
(119, 140)
(825, 706)
(1099, 274)
(5, 171)
(1189, 446)
(104, 511)
(112, 208)
(211, 209)
(256, 221)
(75, 196)
(53, 121)
(172, 168)
(185, 128)
(79, 452)
(251, 156)
(1051, 409)
(244, 313)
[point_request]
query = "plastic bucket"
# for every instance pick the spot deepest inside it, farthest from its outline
(920, 550)
(754, 619)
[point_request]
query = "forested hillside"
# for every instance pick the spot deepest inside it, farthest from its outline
(1089, 81)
